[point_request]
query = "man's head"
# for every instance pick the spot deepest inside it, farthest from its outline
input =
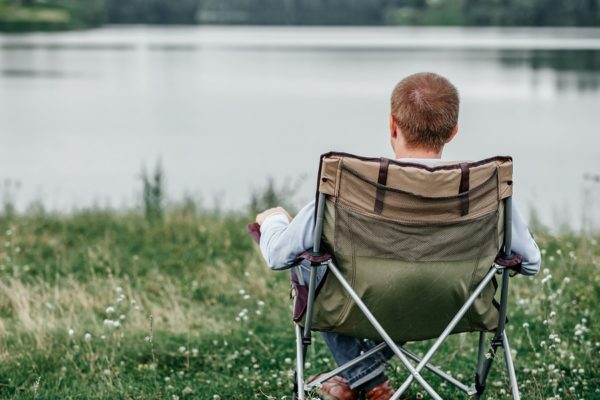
(424, 115)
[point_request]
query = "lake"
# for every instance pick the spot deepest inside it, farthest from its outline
(224, 108)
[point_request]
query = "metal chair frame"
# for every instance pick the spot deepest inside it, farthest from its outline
(485, 356)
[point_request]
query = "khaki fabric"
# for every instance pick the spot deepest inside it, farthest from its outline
(415, 261)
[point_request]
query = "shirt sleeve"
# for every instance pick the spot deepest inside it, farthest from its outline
(524, 244)
(281, 241)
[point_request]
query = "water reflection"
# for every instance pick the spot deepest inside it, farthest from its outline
(579, 69)
(32, 73)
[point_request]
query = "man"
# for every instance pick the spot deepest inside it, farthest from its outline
(424, 117)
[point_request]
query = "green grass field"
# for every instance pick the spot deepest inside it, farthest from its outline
(103, 304)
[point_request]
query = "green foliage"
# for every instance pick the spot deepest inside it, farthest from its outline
(14, 17)
(152, 11)
(103, 305)
(64, 14)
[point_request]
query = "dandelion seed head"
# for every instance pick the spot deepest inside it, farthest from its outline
(87, 337)
(110, 310)
(71, 332)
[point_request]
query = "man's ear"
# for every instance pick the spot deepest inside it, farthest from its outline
(393, 127)
(454, 132)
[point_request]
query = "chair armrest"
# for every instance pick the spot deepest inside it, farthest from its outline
(511, 262)
(315, 259)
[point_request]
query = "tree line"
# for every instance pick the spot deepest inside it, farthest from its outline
(79, 13)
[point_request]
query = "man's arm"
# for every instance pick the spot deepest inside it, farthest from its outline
(524, 245)
(282, 240)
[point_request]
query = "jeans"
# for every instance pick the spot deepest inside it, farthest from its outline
(344, 348)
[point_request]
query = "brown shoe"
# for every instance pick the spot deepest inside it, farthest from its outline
(380, 392)
(336, 388)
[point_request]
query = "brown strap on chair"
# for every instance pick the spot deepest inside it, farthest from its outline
(464, 187)
(384, 164)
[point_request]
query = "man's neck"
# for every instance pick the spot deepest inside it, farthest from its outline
(418, 153)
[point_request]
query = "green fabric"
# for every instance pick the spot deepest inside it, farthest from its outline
(412, 300)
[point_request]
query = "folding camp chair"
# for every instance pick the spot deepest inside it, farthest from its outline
(411, 253)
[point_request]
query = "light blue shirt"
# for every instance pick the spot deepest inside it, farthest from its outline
(283, 241)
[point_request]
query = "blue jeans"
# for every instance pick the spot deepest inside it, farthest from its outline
(344, 348)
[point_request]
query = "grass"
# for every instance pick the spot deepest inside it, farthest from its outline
(104, 304)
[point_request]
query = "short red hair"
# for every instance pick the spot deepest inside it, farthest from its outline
(425, 108)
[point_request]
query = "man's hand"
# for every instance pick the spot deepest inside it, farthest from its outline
(260, 218)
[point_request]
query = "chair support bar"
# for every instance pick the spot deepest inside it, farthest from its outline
(299, 378)
(467, 389)
(446, 332)
(344, 367)
(414, 373)
(306, 339)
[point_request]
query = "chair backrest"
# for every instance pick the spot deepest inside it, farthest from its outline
(413, 240)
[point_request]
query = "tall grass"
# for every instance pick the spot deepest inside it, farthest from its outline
(175, 302)
(100, 304)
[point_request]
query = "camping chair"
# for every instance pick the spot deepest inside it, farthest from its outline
(411, 253)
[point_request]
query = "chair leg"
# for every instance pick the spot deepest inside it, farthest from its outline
(512, 376)
(486, 365)
(299, 376)
(479, 382)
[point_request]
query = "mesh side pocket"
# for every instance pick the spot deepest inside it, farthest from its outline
(364, 236)
(360, 194)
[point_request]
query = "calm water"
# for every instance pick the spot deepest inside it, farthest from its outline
(224, 108)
